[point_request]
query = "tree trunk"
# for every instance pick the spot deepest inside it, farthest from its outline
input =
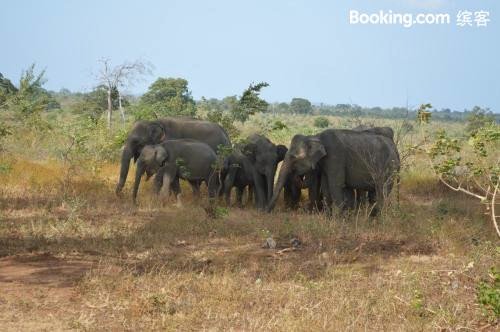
(122, 113)
(110, 107)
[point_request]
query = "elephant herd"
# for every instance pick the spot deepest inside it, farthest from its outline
(339, 167)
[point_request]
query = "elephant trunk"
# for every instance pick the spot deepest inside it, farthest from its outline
(269, 184)
(125, 164)
(282, 178)
(141, 168)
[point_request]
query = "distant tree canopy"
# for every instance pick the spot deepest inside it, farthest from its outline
(94, 103)
(300, 106)
(478, 118)
(167, 96)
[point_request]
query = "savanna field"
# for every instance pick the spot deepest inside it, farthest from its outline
(74, 256)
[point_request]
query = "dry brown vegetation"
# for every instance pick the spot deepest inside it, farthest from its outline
(73, 256)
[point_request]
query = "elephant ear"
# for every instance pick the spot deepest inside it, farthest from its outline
(250, 150)
(316, 150)
(281, 150)
(161, 155)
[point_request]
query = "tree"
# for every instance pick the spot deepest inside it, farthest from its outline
(6, 88)
(300, 106)
(26, 102)
(250, 103)
(477, 119)
(321, 122)
(94, 103)
(471, 166)
(119, 77)
(167, 96)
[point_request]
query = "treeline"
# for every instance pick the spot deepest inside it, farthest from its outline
(171, 96)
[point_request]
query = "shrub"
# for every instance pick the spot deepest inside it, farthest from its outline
(321, 122)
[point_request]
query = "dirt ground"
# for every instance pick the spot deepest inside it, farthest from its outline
(82, 259)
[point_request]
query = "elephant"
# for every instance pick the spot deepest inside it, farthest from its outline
(341, 159)
(154, 132)
(187, 159)
(265, 156)
(241, 173)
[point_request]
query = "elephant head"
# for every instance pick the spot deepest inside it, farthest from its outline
(265, 157)
(144, 133)
(303, 156)
(151, 159)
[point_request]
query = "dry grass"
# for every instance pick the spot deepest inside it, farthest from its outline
(73, 256)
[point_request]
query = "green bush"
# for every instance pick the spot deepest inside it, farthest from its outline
(321, 122)
(488, 293)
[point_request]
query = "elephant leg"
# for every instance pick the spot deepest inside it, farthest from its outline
(350, 198)
(175, 186)
(375, 202)
(212, 185)
(250, 194)
(326, 198)
(167, 183)
(314, 191)
(158, 182)
(239, 196)
(229, 184)
(195, 186)
(336, 189)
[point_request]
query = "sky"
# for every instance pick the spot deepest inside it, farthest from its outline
(302, 48)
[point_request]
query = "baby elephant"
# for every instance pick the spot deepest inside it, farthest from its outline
(187, 159)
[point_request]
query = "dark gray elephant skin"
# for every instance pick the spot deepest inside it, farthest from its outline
(154, 132)
(384, 131)
(354, 198)
(240, 174)
(265, 156)
(342, 159)
(187, 159)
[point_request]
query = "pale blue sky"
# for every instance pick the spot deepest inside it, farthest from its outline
(303, 48)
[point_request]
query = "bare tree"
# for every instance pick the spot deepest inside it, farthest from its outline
(118, 77)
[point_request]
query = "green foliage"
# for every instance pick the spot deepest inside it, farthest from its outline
(300, 106)
(477, 119)
(166, 97)
(215, 111)
(250, 103)
(321, 122)
(183, 168)
(423, 113)
(95, 103)
(4, 132)
(448, 148)
(6, 88)
(24, 106)
(87, 145)
(488, 294)
(278, 125)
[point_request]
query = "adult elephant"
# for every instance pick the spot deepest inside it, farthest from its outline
(265, 156)
(343, 159)
(154, 132)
